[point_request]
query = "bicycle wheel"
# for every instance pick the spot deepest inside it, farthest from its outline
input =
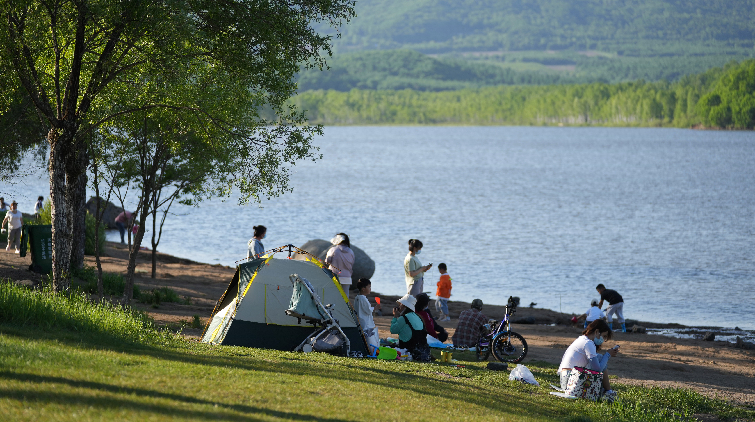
(509, 347)
(482, 351)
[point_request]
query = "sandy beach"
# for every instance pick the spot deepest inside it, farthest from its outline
(713, 368)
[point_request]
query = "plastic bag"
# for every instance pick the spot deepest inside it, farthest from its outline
(434, 342)
(523, 374)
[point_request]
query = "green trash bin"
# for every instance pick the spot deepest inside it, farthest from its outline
(40, 241)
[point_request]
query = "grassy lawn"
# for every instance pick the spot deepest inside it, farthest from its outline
(53, 373)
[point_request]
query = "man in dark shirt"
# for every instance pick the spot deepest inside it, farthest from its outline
(615, 306)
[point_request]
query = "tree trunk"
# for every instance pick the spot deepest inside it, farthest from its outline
(154, 235)
(128, 293)
(61, 239)
(77, 188)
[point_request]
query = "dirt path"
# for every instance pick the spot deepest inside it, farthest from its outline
(712, 368)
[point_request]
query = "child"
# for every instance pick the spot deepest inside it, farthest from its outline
(592, 314)
(38, 207)
(364, 314)
(443, 293)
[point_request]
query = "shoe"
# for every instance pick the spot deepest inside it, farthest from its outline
(448, 318)
(18, 251)
(609, 396)
(623, 328)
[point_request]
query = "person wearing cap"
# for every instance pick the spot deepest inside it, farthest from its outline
(13, 217)
(593, 313)
(470, 321)
(340, 257)
(410, 329)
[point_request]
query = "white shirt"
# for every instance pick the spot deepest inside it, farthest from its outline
(581, 351)
(594, 313)
(38, 206)
(14, 219)
(364, 312)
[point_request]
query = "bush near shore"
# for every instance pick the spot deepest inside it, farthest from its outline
(66, 358)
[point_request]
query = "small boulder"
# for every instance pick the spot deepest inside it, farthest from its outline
(111, 211)
(638, 329)
(746, 345)
(364, 266)
(709, 336)
(524, 320)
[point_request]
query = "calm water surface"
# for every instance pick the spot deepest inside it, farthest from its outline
(664, 216)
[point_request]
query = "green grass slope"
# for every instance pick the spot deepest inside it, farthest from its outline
(55, 372)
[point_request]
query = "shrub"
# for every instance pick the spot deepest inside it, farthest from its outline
(89, 242)
(157, 296)
(113, 283)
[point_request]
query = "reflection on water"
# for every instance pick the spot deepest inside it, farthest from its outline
(664, 216)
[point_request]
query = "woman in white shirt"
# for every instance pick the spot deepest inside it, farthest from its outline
(256, 249)
(414, 271)
(583, 352)
(13, 217)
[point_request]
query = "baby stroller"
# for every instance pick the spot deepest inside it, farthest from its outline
(306, 305)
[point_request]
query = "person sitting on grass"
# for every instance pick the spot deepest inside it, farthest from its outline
(431, 326)
(592, 314)
(470, 321)
(583, 352)
(410, 329)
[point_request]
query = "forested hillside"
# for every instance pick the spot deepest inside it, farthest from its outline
(477, 43)
(720, 97)
(628, 27)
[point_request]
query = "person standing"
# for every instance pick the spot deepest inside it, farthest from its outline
(414, 272)
(256, 249)
(470, 321)
(341, 258)
(122, 221)
(13, 217)
(38, 207)
(443, 293)
(3, 205)
(615, 306)
(364, 314)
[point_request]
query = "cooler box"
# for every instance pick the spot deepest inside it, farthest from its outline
(40, 243)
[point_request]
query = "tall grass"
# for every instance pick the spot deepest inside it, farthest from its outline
(73, 312)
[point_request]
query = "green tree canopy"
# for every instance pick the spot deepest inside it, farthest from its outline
(85, 63)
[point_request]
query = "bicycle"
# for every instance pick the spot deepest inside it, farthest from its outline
(506, 345)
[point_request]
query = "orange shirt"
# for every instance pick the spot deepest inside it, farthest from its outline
(444, 286)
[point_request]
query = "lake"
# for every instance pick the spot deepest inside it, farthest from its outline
(664, 216)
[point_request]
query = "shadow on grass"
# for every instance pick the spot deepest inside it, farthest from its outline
(403, 378)
(137, 403)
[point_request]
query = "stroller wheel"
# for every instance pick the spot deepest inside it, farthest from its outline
(306, 348)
